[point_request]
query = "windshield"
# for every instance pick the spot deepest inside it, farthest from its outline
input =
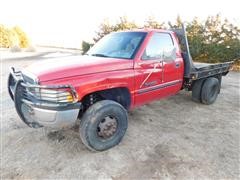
(118, 45)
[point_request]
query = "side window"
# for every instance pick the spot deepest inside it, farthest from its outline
(158, 43)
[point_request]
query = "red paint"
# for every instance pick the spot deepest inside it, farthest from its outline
(89, 74)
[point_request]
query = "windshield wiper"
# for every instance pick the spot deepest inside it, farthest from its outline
(99, 55)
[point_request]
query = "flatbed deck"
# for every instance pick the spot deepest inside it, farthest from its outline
(203, 70)
(199, 65)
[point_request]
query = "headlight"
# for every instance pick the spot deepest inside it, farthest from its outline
(52, 95)
(56, 95)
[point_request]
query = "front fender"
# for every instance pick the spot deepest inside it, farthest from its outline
(83, 91)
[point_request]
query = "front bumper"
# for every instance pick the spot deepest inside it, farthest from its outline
(36, 112)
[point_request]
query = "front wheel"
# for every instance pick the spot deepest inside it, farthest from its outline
(103, 125)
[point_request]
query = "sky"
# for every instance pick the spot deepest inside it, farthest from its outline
(68, 22)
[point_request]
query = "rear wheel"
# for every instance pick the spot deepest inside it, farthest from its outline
(196, 90)
(103, 125)
(210, 90)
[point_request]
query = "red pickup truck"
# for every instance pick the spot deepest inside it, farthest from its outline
(122, 71)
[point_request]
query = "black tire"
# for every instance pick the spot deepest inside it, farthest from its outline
(10, 81)
(220, 83)
(196, 90)
(210, 90)
(90, 122)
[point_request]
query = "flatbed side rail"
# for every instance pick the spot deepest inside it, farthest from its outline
(217, 65)
(211, 70)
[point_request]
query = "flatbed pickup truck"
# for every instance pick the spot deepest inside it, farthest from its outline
(122, 71)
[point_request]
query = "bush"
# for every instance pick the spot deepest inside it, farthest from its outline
(7, 37)
(85, 47)
(10, 38)
(22, 37)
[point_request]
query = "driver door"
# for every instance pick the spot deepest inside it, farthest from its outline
(151, 79)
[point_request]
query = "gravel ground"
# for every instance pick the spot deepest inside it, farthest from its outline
(171, 138)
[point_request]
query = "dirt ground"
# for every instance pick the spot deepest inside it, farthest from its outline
(173, 138)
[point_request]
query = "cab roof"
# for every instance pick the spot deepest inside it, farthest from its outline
(147, 30)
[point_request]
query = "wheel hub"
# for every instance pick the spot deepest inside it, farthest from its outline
(107, 127)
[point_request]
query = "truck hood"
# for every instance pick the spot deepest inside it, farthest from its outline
(58, 68)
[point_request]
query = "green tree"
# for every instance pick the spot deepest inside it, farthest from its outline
(176, 24)
(212, 40)
(222, 42)
(106, 28)
(151, 22)
(195, 34)
(124, 24)
(85, 46)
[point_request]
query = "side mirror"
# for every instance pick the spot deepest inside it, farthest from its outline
(169, 54)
